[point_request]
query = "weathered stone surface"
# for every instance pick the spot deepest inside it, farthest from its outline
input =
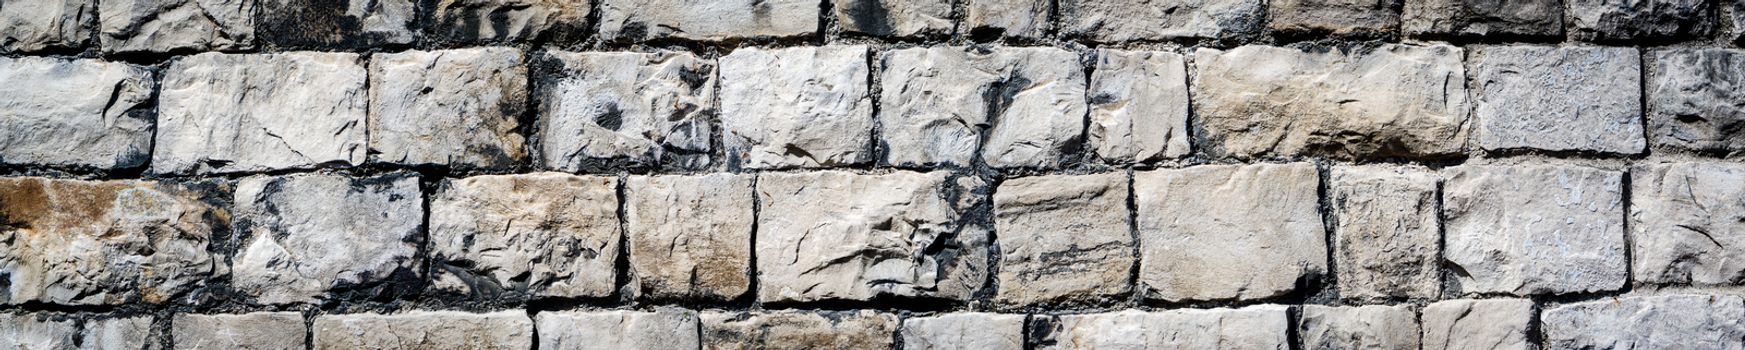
(1533, 229)
(119, 334)
(536, 235)
(351, 24)
(601, 109)
(250, 331)
(1019, 107)
(72, 242)
(1228, 232)
(964, 330)
(840, 236)
(1130, 20)
(221, 113)
(690, 236)
(39, 25)
(1063, 238)
(1388, 101)
(1369, 18)
(457, 108)
(1550, 98)
(638, 20)
(503, 330)
(1693, 100)
(1139, 106)
(28, 331)
(306, 237)
(1255, 327)
(81, 113)
(664, 328)
(1648, 322)
(796, 107)
(1387, 234)
(993, 19)
(894, 18)
(1359, 327)
(1738, 18)
(793, 330)
(1466, 324)
(1609, 21)
(1685, 223)
(479, 21)
(1483, 18)
(175, 25)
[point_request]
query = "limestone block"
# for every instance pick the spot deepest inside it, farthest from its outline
(161, 26)
(75, 113)
(690, 236)
(46, 25)
(964, 330)
(1387, 232)
(1139, 106)
(533, 235)
(502, 330)
(222, 113)
(1013, 107)
(309, 237)
(119, 334)
(1110, 21)
(345, 24)
(1533, 229)
(1228, 232)
(1693, 100)
(1063, 238)
(795, 330)
(1684, 223)
(1369, 18)
(1558, 98)
(1254, 327)
(483, 21)
(1612, 21)
(894, 18)
(602, 109)
(1469, 324)
(665, 328)
(250, 331)
(639, 20)
(803, 107)
(36, 331)
(992, 19)
(1648, 322)
(1359, 327)
(457, 108)
(1483, 18)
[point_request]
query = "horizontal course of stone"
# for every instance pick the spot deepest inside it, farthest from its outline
(872, 174)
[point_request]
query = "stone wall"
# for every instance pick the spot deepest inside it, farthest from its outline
(870, 174)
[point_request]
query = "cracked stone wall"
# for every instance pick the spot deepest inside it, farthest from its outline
(872, 174)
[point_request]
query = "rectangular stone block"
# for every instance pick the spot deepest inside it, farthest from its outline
(1693, 99)
(986, 20)
(502, 330)
(1063, 238)
(802, 107)
(1683, 321)
(252, 331)
(665, 328)
(75, 113)
(640, 20)
(164, 26)
(118, 333)
(840, 236)
(690, 236)
(1113, 21)
(1387, 232)
(600, 110)
(1359, 327)
(1476, 19)
(1281, 102)
(220, 113)
(1650, 20)
(528, 235)
(1533, 229)
(1469, 324)
(1012, 107)
(1685, 224)
(457, 108)
(341, 24)
(489, 21)
(307, 237)
(964, 330)
(1139, 106)
(1572, 98)
(894, 18)
(37, 331)
(47, 25)
(1228, 232)
(796, 330)
(1254, 327)
(1361, 18)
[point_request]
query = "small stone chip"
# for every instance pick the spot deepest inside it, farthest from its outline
(531, 235)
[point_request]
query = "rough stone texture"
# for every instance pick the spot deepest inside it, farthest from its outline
(1738, 19)
(1550, 98)
(964, 330)
(840, 236)
(796, 107)
(538, 235)
(1359, 327)
(793, 330)
(690, 236)
(992, 19)
(1110, 21)
(1467, 324)
(1533, 229)
(1648, 322)
(480, 21)
(1139, 106)
(613, 330)
(251, 331)
(1063, 237)
(503, 330)
(1016, 107)
(1367, 18)
(1228, 232)
(28, 331)
(623, 108)
(46, 25)
(894, 18)
(1389, 101)
(351, 24)
(638, 20)
(308, 238)
(1471, 19)
(221, 113)
(457, 108)
(1387, 234)
(1255, 327)
(76, 113)
(128, 26)
(119, 334)
(72, 242)
(1693, 100)
(1611, 21)
(1685, 223)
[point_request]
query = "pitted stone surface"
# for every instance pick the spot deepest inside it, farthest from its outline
(636, 109)
(638, 20)
(250, 331)
(1228, 232)
(1111, 21)
(1063, 238)
(965, 330)
(30, 331)
(1685, 223)
(534, 235)
(1389, 101)
(1468, 324)
(894, 18)
(158, 26)
(690, 236)
(502, 330)
(794, 330)
(840, 236)
(803, 107)
(77, 113)
(1533, 229)
(118, 334)
(222, 113)
(336, 23)
(43, 25)
(1483, 18)
(1139, 106)
(992, 19)
(73, 242)
(1611, 21)
(1254, 327)
(457, 108)
(1387, 234)
(1648, 322)
(1693, 100)
(618, 330)
(1359, 327)
(1368, 18)
(480, 21)
(1550, 98)
(304, 237)
(1014, 107)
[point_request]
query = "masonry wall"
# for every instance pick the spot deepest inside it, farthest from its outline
(871, 174)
